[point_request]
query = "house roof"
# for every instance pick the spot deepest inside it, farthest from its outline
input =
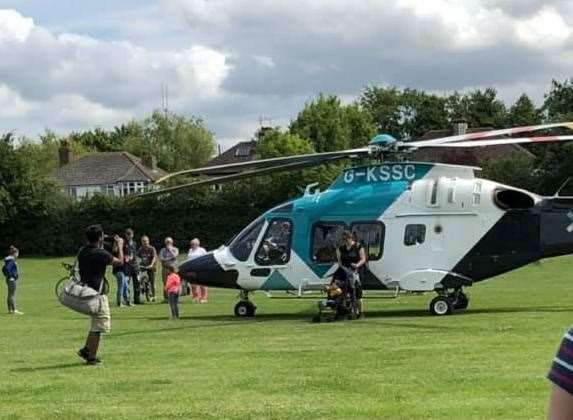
(471, 156)
(106, 168)
(243, 151)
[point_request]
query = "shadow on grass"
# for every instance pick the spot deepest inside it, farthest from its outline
(398, 313)
(306, 317)
(49, 367)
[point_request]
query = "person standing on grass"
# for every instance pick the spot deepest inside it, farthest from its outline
(131, 266)
(199, 293)
(168, 256)
(352, 258)
(148, 256)
(118, 271)
(10, 271)
(93, 261)
(173, 289)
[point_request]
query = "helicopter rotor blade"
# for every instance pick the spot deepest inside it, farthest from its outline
(497, 142)
(234, 168)
(487, 134)
(244, 175)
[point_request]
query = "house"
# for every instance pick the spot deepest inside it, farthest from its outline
(471, 156)
(243, 151)
(112, 173)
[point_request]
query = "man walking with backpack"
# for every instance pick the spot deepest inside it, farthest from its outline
(93, 261)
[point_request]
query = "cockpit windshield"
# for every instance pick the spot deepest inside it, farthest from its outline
(242, 246)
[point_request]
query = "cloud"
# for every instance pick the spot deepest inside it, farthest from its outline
(546, 29)
(91, 81)
(11, 104)
(14, 27)
(231, 62)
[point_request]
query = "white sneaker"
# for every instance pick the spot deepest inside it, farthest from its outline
(18, 313)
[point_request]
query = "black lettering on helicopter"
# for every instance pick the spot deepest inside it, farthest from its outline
(381, 173)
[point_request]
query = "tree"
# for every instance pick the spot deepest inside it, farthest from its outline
(516, 169)
(558, 103)
(27, 197)
(479, 108)
(43, 155)
(383, 105)
(330, 126)
(178, 142)
(288, 184)
(405, 114)
(523, 112)
(275, 143)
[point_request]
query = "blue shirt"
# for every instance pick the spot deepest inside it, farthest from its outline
(10, 268)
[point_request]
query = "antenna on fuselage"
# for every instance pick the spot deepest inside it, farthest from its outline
(561, 187)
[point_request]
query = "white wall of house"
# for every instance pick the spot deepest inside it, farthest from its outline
(119, 189)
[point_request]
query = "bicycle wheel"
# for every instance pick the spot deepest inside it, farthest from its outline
(59, 288)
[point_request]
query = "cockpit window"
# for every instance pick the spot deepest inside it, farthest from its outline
(243, 244)
(275, 246)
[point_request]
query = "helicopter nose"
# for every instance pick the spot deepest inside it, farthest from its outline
(205, 270)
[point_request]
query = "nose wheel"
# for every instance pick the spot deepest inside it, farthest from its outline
(245, 308)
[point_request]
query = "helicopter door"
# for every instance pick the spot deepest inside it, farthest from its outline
(273, 255)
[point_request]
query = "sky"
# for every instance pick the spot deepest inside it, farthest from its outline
(73, 65)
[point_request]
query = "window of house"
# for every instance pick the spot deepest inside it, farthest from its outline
(371, 236)
(326, 237)
(243, 151)
(244, 243)
(275, 246)
(414, 235)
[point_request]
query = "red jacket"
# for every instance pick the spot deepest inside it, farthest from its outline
(173, 283)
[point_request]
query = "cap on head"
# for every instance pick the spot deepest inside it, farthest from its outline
(169, 240)
(94, 233)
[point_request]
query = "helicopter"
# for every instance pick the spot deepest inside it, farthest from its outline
(425, 227)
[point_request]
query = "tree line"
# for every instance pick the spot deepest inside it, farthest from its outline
(39, 218)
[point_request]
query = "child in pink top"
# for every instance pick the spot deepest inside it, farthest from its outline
(173, 288)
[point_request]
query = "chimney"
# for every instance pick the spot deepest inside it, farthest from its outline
(149, 161)
(460, 127)
(65, 153)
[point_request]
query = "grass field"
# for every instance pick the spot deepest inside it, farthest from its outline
(399, 362)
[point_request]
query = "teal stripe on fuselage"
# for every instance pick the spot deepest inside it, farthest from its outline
(358, 194)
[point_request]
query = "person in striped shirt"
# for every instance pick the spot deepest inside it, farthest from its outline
(561, 374)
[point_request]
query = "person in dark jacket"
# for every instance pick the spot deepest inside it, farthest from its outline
(131, 267)
(10, 271)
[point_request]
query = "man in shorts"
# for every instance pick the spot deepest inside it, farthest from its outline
(93, 261)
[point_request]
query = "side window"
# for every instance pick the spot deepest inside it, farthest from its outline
(326, 237)
(371, 236)
(275, 246)
(414, 235)
(243, 244)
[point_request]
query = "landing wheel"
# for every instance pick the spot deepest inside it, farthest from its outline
(440, 306)
(462, 301)
(245, 308)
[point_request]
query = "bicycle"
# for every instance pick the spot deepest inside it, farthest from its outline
(74, 274)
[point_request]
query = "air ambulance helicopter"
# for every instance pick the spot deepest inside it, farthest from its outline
(425, 226)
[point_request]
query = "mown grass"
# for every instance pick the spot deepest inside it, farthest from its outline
(399, 362)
